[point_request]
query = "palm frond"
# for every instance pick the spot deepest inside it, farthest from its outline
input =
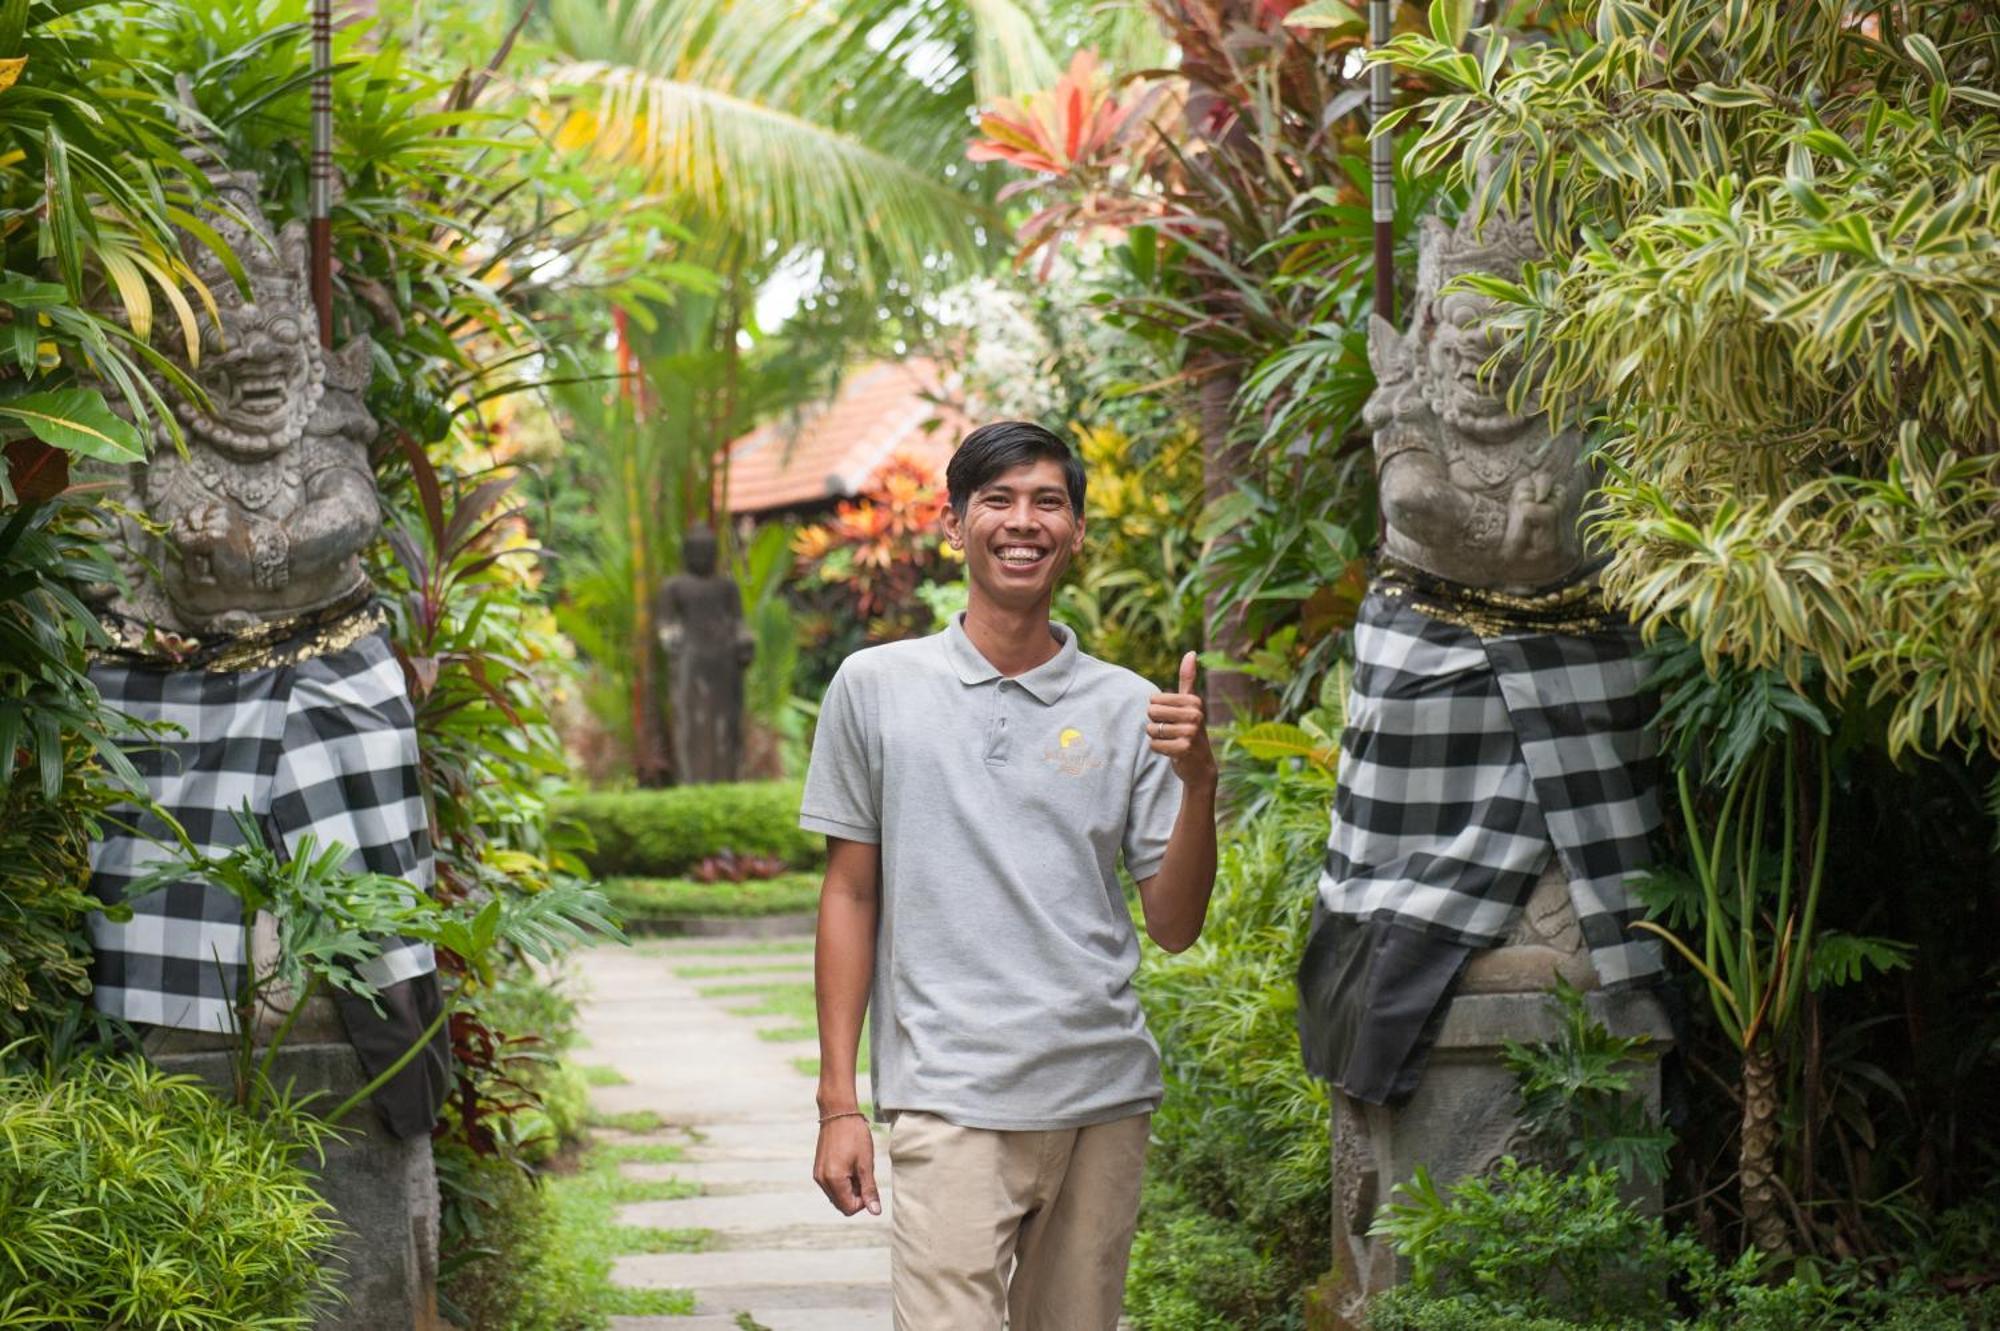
(771, 174)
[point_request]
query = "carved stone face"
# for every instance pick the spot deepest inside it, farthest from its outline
(262, 375)
(1461, 342)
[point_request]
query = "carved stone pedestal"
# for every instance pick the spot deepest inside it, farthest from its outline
(1465, 1114)
(384, 1189)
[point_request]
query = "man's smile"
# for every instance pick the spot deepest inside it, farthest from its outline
(1020, 555)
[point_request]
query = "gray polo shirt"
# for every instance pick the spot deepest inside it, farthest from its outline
(1004, 952)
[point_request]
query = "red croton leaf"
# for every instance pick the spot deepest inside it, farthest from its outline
(36, 471)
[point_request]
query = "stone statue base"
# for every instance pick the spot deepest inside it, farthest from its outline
(384, 1189)
(1466, 1112)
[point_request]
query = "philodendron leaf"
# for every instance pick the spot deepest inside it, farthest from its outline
(77, 420)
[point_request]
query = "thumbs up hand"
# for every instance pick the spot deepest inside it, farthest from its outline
(1177, 726)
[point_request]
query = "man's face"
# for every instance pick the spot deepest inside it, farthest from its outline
(1018, 534)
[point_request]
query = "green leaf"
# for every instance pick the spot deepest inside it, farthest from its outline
(77, 420)
(1728, 98)
(1326, 14)
(1924, 51)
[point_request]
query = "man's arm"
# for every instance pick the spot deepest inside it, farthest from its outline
(1174, 900)
(843, 968)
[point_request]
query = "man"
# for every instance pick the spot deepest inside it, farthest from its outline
(977, 789)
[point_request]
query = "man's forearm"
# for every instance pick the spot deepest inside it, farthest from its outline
(843, 967)
(1175, 900)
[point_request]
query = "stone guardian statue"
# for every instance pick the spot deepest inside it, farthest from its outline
(1496, 780)
(244, 625)
(708, 648)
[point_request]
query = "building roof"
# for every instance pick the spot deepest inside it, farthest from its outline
(831, 450)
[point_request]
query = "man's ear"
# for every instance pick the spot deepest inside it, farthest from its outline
(954, 533)
(1076, 541)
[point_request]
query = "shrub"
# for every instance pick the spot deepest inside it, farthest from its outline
(1541, 1244)
(1191, 1271)
(1242, 1136)
(663, 833)
(131, 1198)
(1531, 1250)
(506, 1264)
(645, 902)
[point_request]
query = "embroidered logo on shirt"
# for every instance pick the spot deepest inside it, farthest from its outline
(1073, 754)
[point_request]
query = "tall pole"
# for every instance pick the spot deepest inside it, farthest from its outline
(320, 207)
(1382, 160)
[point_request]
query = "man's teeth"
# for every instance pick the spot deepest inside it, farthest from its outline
(1019, 554)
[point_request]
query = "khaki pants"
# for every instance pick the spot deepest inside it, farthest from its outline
(1033, 1227)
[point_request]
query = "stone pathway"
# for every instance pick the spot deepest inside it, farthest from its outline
(781, 1254)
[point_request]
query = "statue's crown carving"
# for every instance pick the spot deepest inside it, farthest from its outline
(1499, 247)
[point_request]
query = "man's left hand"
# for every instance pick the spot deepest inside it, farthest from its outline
(1177, 725)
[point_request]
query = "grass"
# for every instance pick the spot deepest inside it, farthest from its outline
(641, 900)
(586, 1202)
(635, 1121)
(599, 1074)
(783, 998)
(747, 948)
(712, 972)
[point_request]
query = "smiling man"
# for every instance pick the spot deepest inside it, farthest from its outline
(977, 790)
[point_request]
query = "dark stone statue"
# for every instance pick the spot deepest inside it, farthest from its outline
(708, 647)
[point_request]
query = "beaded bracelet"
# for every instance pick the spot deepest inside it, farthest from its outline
(845, 1113)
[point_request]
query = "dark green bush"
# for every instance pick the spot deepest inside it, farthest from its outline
(1192, 1271)
(1531, 1250)
(664, 833)
(129, 1198)
(1242, 1135)
(506, 1264)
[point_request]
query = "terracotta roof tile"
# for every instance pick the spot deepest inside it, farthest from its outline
(831, 450)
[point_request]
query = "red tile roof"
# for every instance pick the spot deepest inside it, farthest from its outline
(831, 450)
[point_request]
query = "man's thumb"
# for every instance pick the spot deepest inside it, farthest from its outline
(871, 1197)
(1187, 673)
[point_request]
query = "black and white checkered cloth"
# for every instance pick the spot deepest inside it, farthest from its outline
(1467, 761)
(326, 747)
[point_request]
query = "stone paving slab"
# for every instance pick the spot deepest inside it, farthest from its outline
(753, 1210)
(780, 1252)
(753, 1278)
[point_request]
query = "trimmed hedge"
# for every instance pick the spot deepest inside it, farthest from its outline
(664, 833)
(643, 901)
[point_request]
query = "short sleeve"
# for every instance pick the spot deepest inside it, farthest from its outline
(840, 798)
(1149, 823)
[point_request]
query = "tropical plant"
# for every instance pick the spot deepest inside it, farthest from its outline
(1131, 596)
(1763, 948)
(1240, 1155)
(135, 1198)
(858, 573)
(330, 921)
(1771, 257)
(1579, 1092)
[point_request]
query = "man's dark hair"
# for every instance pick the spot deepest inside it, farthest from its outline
(991, 450)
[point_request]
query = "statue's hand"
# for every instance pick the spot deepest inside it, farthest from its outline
(214, 543)
(1533, 513)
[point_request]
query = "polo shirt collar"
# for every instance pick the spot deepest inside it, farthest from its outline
(1047, 682)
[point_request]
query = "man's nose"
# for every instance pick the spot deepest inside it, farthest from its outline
(1021, 517)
